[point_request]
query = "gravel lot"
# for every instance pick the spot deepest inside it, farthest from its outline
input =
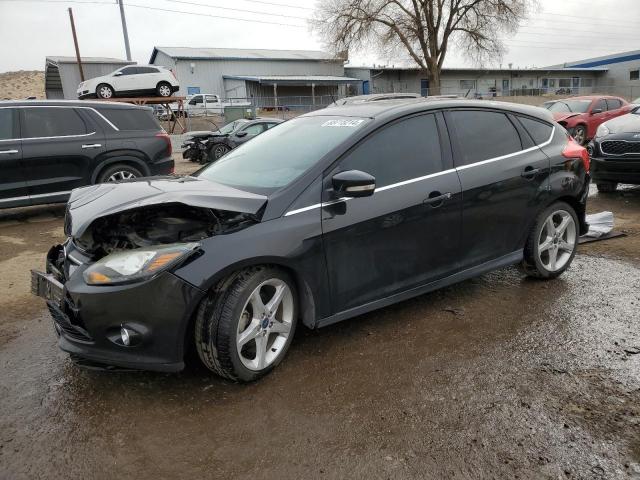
(496, 377)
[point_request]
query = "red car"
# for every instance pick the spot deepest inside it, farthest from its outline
(582, 116)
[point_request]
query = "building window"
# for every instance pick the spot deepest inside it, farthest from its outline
(552, 82)
(564, 82)
(634, 75)
(587, 82)
(467, 84)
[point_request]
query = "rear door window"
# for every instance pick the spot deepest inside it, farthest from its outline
(539, 131)
(40, 122)
(405, 150)
(483, 135)
(8, 124)
(146, 70)
(613, 104)
(131, 118)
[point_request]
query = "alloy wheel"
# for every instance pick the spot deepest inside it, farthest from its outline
(219, 151)
(557, 240)
(579, 135)
(164, 91)
(105, 92)
(121, 175)
(265, 324)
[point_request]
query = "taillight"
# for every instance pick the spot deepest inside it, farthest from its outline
(167, 138)
(173, 72)
(574, 150)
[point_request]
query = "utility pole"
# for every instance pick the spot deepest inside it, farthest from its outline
(124, 30)
(75, 42)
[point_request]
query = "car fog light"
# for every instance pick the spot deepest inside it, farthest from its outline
(125, 336)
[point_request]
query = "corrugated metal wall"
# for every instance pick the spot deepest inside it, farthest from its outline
(208, 74)
(70, 77)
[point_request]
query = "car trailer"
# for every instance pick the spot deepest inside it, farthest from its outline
(173, 117)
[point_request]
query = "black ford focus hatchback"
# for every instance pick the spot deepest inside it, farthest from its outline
(325, 217)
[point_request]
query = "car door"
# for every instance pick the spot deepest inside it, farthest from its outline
(146, 79)
(614, 108)
(58, 149)
(127, 81)
(196, 105)
(407, 233)
(504, 179)
(598, 114)
(13, 186)
(211, 105)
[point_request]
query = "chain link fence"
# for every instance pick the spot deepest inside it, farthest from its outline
(212, 116)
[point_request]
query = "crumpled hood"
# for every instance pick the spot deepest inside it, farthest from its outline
(629, 123)
(561, 116)
(89, 203)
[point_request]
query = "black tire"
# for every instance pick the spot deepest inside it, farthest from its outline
(218, 318)
(102, 91)
(163, 89)
(114, 170)
(607, 187)
(532, 264)
(217, 151)
(580, 134)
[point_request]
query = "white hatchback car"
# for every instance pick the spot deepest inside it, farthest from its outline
(132, 80)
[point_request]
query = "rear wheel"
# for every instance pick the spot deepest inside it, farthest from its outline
(244, 328)
(607, 187)
(118, 173)
(164, 89)
(552, 242)
(104, 91)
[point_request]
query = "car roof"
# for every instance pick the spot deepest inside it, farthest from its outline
(66, 103)
(401, 107)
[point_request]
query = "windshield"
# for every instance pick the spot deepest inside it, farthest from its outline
(570, 106)
(231, 127)
(280, 155)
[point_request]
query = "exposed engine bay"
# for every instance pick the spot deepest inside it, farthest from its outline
(157, 225)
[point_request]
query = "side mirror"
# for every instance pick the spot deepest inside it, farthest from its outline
(353, 183)
(596, 110)
(117, 74)
(241, 134)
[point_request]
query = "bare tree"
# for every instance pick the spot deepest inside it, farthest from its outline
(424, 30)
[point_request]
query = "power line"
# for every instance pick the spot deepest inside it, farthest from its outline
(237, 9)
(215, 16)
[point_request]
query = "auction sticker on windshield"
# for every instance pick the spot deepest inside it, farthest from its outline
(342, 123)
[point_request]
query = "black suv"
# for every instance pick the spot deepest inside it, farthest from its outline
(48, 148)
(330, 215)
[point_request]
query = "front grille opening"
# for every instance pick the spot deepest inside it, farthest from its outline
(620, 147)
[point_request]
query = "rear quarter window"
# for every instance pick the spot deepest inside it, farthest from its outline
(539, 131)
(131, 118)
(483, 135)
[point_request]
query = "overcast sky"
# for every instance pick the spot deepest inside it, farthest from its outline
(30, 30)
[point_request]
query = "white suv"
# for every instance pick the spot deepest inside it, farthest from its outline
(132, 80)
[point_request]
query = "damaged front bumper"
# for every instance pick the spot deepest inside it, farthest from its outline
(89, 319)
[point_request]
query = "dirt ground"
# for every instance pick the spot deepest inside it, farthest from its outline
(496, 377)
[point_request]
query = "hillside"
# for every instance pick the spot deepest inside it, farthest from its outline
(21, 84)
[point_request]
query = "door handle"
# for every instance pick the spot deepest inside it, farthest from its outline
(92, 145)
(530, 172)
(8, 152)
(436, 199)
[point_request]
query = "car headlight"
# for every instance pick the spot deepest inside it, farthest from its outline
(602, 131)
(136, 265)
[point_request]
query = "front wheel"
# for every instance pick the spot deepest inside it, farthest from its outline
(552, 242)
(580, 134)
(217, 151)
(104, 91)
(244, 328)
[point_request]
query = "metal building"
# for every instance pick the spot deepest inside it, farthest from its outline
(255, 73)
(62, 76)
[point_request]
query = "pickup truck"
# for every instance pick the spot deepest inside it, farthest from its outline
(206, 104)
